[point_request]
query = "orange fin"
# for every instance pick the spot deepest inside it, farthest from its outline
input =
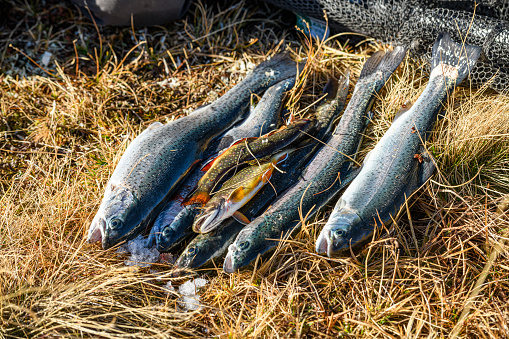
(199, 197)
(267, 175)
(208, 164)
(238, 194)
(241, 218)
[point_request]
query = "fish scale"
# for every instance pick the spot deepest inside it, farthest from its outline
(326, 174)
(160, 157)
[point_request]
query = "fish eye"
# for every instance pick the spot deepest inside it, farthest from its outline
(243, 245)
(191, 250)
(167, 231)
(115, 223)
(339, 233)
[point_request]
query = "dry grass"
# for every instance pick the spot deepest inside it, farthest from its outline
(62, 135)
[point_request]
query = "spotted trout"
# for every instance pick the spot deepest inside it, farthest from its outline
(245, 150)
(261, 120)
(159, 158)
(398, 165)
(205, 248)
(329, 170)
(235, 193)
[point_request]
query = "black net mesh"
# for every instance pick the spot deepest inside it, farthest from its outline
(416, 24)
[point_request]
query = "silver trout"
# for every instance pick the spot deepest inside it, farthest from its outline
(161, 156)
(329, 170)
(398, 165)
(209, 246)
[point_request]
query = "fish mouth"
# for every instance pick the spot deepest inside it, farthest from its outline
(228, 266)
(328, 243)
(96, 230)
(322, 243)
(163, 239)
(207, 222)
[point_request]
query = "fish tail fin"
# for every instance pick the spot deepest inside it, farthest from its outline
(461, 57)
(331, 88)
(383, 62)
(198, 197)
(343, 85)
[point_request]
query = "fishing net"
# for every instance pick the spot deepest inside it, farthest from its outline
(416, 24)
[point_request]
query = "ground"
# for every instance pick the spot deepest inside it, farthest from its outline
(72, 97)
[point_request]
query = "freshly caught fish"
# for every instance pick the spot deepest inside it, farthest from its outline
(245, 150)
(180, 229)
(235, 193)
(206, 247)
(173, 209)
(173, 225)
(158, 159)
(329, 170)
(262, 119)
(398, 164)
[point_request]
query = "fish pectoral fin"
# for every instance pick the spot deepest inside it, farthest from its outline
(242, 140)
(238, 194)
(428, 167)
(241, 218)
(404, 108)
(208, 164)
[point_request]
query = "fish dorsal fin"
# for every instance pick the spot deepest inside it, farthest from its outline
(238, 194)
(241, 218)
(428, 166)
(367, 157)
(331, 88)
(404, 108)
(155, 125)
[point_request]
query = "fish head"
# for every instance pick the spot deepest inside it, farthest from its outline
(245, 249)
(213, 213)
(196, 254)
(116, 219)
(235, 257)
(344, 228)
(165, 238)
